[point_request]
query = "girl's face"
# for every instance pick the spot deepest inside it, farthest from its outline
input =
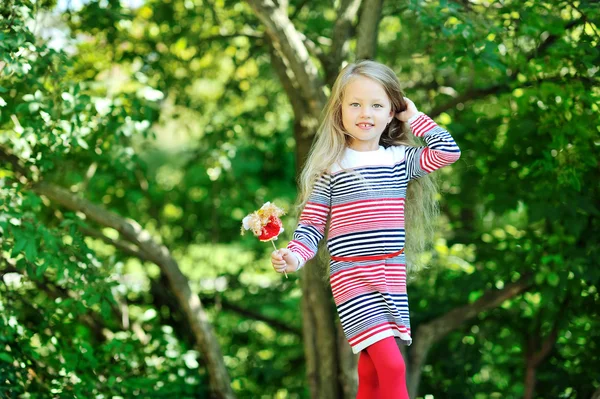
(366, 111)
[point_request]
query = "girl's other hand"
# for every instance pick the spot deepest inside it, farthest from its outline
(410, 111)
(284, 260)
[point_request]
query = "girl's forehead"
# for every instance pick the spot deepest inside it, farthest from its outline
(363, 88)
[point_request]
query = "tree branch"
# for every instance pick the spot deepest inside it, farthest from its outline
(368, 29)
(253, 315)
(14, 162)
(551, 39)
(431, 332)
(287, 81)
(92, 320)
(504, 87)
(535, 357)
(298, 9)
(346, 13)
(119, 244)
(456, 317)
(189, 302)
(286, 38)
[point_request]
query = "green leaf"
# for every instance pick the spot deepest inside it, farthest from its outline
(553, 279)
(6, 357)
(539, 278)
(20, 243)
(39, 272)
(31, 250)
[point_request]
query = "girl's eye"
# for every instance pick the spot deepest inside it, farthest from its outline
(378, 105)
(353, 104)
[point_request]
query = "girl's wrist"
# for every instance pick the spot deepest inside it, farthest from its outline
(299, 262)
(413, 117)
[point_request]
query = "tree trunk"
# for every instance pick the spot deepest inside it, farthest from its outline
(320, 343)
(348, 362)
(368, 28)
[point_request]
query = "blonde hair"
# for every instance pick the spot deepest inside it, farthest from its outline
(421, 209)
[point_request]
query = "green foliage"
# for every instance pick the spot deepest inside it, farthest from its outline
(166, 114)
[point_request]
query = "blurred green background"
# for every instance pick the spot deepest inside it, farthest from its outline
(136, 135)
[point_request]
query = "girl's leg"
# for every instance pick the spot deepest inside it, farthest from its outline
(390, 367)
(368, 385)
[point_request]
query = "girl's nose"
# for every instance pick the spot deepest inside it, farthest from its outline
(365, 112)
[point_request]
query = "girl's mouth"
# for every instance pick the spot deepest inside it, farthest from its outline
(365, 126)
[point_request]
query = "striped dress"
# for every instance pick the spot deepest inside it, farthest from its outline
(367, 223)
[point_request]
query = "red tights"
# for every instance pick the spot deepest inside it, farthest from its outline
(382, 372)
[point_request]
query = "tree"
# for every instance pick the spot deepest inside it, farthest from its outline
(516, 85)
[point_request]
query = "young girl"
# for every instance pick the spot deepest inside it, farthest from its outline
(357, 175)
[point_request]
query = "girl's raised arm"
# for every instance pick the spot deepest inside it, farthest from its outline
(441, 149)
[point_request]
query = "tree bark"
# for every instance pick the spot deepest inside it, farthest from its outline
(348, 365)
(426, 335)
(189, 302)
(286, 37)
(320, 343)
(347, 11)
(368, 29)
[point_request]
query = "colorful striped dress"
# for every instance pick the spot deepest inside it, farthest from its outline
(366, 233)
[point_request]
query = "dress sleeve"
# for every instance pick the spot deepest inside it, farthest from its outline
(441, 149)
(311, 225)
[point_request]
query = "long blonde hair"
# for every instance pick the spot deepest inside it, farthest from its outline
(421, 208)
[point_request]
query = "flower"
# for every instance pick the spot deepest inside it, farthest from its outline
(264, 223)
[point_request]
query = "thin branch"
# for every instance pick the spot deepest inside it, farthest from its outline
(298, 10)
(491, 299)
(551, 39)
(14, 161)
(251, 35)
(189, 302)
(504, 87)
(585, 17)
(92, 320)
(254, 315)
(121, 245)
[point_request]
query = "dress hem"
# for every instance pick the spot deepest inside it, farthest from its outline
(405, 339)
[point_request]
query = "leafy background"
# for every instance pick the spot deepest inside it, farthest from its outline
(170, 114)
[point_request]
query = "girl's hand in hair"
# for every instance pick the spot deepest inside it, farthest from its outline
(410, 111)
